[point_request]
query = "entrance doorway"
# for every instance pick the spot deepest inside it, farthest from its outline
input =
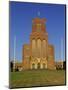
(33, 66)
(44, 66)
(38, 66)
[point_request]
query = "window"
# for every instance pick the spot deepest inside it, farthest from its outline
(38, 47)
(38, 27)
(33, 47)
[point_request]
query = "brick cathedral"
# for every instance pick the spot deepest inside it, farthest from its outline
(38, 54)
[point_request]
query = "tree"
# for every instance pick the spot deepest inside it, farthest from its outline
(11, 66)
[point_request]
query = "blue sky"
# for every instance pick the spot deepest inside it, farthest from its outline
(21, 15)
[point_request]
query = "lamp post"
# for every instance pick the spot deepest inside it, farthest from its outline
(14, 53)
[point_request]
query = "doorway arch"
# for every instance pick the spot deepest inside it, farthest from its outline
(38, 66)
(33, 66)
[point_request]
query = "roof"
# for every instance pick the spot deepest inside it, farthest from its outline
(38, 20)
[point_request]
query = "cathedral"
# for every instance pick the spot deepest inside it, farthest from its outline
(38, 54)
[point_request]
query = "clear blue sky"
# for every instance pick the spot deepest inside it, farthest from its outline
(21, 15)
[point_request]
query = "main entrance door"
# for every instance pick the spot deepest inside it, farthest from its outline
(38, 66)
(33, 66)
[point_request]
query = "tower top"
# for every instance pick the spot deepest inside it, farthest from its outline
(39, 20)
(38, 25)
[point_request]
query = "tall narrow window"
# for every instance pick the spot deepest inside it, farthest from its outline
(39, 27)
(33, 47)
(38, 48)
(44, 48)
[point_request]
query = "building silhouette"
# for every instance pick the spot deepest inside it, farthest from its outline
(38, 54)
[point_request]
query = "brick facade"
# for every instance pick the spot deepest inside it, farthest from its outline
(39, 54)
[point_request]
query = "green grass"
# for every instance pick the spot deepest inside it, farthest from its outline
(31, 78)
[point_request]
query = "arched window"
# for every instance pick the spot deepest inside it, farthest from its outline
(44, 48)
(38, 47)
(33, 47)
(38, 27)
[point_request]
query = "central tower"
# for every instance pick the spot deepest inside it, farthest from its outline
(39, 39)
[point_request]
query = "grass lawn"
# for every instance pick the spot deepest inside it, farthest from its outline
(31, 78)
